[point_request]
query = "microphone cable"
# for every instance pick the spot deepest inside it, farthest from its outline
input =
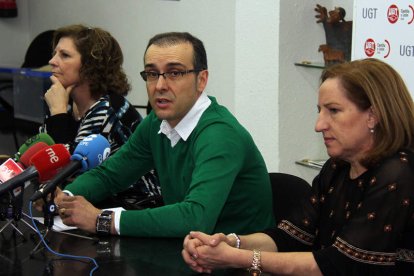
(57, 253)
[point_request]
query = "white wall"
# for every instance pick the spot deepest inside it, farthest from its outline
(256, 74)
(299, 39)
(251, 45)
(15, 37)
(134, 22)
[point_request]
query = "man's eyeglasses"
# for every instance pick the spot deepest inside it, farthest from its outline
(171, 75)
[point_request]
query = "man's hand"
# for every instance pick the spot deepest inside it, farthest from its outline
(38, 204)
(322, 13)
(77, 211)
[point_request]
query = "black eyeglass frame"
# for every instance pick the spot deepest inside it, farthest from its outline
(168, 73)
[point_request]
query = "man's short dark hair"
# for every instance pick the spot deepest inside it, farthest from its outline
(174, 38)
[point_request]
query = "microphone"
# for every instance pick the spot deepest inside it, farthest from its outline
(41, 137)
(28, 154)
(44, 165)
(9, 169)
(88, 154)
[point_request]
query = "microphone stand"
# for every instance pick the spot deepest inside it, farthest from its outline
(49, 211)
(11, 210)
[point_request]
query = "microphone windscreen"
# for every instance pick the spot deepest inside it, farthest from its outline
(9, 169)
(27, 155)
(41, 137)
(50, 160)
(92, 151)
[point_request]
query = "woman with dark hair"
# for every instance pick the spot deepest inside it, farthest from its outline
(360, 218)
(88, 93)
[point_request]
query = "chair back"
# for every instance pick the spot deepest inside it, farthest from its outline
(288, 191)
(40, 50)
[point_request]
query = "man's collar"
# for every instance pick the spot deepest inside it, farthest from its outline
(184, 128)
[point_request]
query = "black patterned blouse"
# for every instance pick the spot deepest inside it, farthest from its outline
(115, 118)
(362, 226)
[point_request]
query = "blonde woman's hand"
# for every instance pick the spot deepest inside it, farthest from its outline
(196, 240)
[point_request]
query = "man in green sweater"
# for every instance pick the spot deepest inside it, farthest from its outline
(213, 178)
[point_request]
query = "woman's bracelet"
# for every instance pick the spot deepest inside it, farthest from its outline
(256, 268)
(237, 239)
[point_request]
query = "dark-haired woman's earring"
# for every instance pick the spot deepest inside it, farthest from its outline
(371, 130)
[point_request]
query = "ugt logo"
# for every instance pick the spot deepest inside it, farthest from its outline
(393, 14)
(369, 47)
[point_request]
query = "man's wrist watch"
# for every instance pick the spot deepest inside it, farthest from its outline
(104, 223)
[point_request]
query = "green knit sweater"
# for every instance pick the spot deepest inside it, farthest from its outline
(216, 181)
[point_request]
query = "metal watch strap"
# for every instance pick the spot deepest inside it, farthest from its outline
(255, 269)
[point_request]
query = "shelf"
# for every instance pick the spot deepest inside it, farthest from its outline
(314, 164)
(310, 64)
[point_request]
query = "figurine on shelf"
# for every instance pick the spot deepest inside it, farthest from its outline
(338, 33)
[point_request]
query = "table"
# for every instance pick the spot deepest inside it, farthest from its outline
(115, 255)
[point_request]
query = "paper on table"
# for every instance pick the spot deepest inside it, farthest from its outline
(59, 226)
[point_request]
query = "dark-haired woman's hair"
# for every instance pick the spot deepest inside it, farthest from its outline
(101, 58)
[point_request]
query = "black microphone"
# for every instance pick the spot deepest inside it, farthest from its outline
(89, 153)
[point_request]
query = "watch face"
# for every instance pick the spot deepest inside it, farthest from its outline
(103, 225)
